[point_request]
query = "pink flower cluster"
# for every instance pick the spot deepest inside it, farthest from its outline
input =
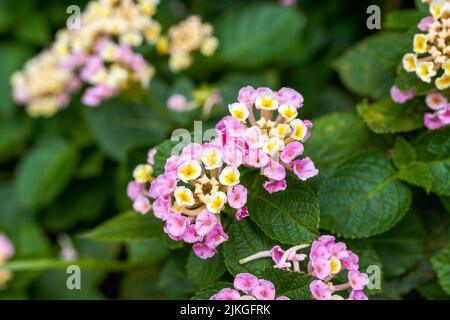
(271, 143)
(107, 70)
(190, 195)
(248, 287)
(326, 259)
(441, 111)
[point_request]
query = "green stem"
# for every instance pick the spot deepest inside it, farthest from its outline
(44, 264)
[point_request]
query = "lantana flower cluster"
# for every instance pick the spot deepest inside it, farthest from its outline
(184, 39)
(195, 188)
(327, 259)
(6, 252)
(274, 141)
(100, 53)
(248, 287)
(430, 60)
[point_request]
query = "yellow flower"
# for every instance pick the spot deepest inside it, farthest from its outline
(409, 62)
(212, 158)
(143, 173)
(229, 176)
(287, 111)
(184, 197)
(239, 111)
(216, 202)
(266, 101)
(443, 82)
(420, 43)
(425, 71)
(209, 46)
(274, 146)
(282, 130)
(190, 170)
(335, 264)
(299, 128)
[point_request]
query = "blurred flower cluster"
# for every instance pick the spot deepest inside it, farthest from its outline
(6, 252)
(327, 259)
(251, 287)
(183, 39)
(102, 55)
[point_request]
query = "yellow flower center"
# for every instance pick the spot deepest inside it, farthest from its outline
(216, 204)
(335, 265)
(231, 178)
(266, 103)
(188, 172)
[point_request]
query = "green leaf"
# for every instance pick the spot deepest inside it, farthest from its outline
(287, 283)
(402, 19)
(290, 216)
(127, 226)
(441, 264)
(407, 80)
(385, 116)
(163, 152)
(82, 202)
(242, 42)
(245, 239)
(11, 59)
(433, 148)
(206, 292)
(45, 172)
(118, 126)
(335, 136)
(401, 247)
(362, 197)
(417, 174)
(147, 250)
(34, 29)
(368, 68)
(403, 153)
(13, 136)
(446, 203)
(203, 272)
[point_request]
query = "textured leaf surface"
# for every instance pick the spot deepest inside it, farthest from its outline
(204, 272)
(404, 153)
(287, 283)
(441, 264)
(245, 239)
(368, 68)
(401, 247)
(385, 116)
(290, 216)
(433, 148)
(363, 197)
(242, 42)
(334, 137)
(127, 226)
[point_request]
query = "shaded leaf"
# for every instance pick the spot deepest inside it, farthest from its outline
(362, 197)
